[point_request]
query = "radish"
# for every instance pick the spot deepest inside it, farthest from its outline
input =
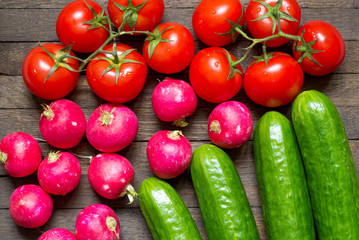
(56, 234)
(97, 221)
(169, 153)
(20, 154)
(59, 173)
(230, 125)
(62, 124)
(111, 175)
(173, 100)
(30, 206)
(112, 127)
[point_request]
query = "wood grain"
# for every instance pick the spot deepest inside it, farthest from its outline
(24, 23)
(12, 55)
(39, 24)
(169, 4)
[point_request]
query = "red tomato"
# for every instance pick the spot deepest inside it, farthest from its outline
(328, 41)
(131, 76)
(210, 18)
(209, 72)
(37, 66)
(263, 28)
(273, 84)
(144, 18)
(171, 56)
(70, 27)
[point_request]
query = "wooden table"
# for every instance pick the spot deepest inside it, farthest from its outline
(24, 23)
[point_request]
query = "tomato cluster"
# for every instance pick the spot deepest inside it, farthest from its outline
(117, 73)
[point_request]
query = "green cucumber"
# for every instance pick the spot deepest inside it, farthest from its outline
(165, 212)
(281, 179)
(223, 202)
(329, 166)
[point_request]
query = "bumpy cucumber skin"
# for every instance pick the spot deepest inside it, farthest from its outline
(166, 214)
(224, 205)
(329, 166)
(281, 180)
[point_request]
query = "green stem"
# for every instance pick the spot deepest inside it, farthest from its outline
(139, 32)
(109, 39)
(255, 41)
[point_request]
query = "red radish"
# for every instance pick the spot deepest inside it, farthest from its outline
(20, 154)
(169, 153)
(30, 206)
(173, 100)
(62, 124)
(230, 124)
(111, 127)
(97, 221)
(111, 175)
(56, 234)
(59, 173)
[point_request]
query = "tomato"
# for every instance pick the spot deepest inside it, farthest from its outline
(132, 74)
(209, 74)
(70, 26)
(327, 46)
(273, 84)
(263, 28)
(174, 52)
(209, 21)
(36, 68)
(143, 18)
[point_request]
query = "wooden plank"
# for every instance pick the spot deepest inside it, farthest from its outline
(84, 195)
(39, 24)
(12, 55)
(136, 153)
(27, 120)
(133, 225)
(342, 89)
(168, 3)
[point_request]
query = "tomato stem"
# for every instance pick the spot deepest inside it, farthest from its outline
(108, 40)
(255, 41)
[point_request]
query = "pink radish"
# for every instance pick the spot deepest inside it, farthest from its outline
(20, 154)
(112, 127)
(97, 221)
(169, 153)
(56, 234)
(30, 206)
(173, 100)
(230, 124)
(111, 175)
(62, 124)
(59, 173)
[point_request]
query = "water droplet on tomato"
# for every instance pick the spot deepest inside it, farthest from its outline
(216, 64)
(214, 11)
(259, 9)
(289, 8)
(200, 21)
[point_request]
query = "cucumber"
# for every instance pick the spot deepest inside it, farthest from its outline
(165, 212)
(281, 179)
(224, 205)
(329, 166)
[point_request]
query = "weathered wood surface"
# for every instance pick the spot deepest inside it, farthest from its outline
(23, 23)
